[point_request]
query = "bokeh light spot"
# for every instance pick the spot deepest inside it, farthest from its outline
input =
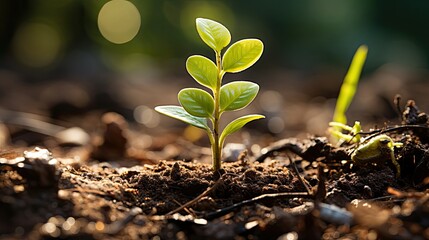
(119, 21)
(276, 124)
(36, 44)
(271, 101)
(146, 116)
(193, 134)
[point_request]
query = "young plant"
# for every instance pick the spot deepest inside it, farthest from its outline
(345, 97)
(198, 107)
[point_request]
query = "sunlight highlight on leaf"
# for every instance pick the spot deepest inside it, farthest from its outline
(237, 95)
(242, 55)
(179, 113)
(203, 70)
(237, 124)
(197, 102)
(214, 34)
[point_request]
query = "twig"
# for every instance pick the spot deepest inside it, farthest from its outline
(401, 194)
(184, 209)
(30, 121)
(205, 193)
(397, 102)
(309, 150)
(295, 169)
(224, 211)
(393, 129)
(117, 226)
(320, 193)
(89, 191)
(281, 147)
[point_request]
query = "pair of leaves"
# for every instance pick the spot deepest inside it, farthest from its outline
(180, 113)
(238, 57)
(233, 96)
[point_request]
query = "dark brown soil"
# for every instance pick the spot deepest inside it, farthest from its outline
(115, 181)
(250, 198)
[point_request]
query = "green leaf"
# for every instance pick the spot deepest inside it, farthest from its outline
(196, 102)
(237, 95)
(203, 70)
(179, 113)
(349, 86)
(214, 34)
(242, 54)
(236, 125)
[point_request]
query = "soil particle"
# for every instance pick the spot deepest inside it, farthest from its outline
(185, 181)
(365, 184)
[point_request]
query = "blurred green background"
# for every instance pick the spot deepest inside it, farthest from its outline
(63, 36)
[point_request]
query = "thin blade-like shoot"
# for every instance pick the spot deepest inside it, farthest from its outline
(349, 86)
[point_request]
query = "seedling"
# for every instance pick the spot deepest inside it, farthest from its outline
(373, 150)
(199, 107)
(345, 97)
(377, 150)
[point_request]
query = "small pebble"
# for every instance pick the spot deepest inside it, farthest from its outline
(232, 151)
(73, 136)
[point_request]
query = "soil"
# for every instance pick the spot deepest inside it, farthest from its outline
(110, 185)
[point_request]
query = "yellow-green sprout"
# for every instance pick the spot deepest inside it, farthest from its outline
(351, 135)
(377, 150)
(345, 97)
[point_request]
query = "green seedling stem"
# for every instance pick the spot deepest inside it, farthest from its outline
(216, 148)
